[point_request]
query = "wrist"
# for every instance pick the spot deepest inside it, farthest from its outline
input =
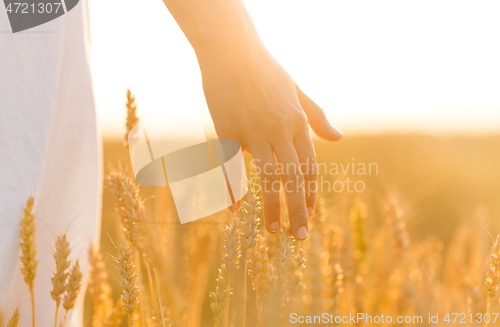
(229, 55)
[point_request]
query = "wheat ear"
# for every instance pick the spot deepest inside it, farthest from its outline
(73, 288)
(14, 320)
(99, 288)
(398, 224)
(131, 209)
(250, 221)
(230, 258)
(161, 314)
(62, 264)
(493, 273)
(28, 250)
(249, 234)
(121, 185)
(261, 271)
(334, 273)
(283, 254)
(128, 280)
(132, 119)
(116, 316)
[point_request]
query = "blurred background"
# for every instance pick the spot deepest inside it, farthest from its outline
(372, 66)
(414, 86)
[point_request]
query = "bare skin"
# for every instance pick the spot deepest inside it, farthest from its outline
(254, 101)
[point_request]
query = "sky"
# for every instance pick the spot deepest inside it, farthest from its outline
(373, 66)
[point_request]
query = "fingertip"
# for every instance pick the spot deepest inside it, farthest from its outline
(331, 133)
(235, 206)
(273, 227)
(302, 233)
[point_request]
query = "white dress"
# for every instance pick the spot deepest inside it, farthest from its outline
(49, 148)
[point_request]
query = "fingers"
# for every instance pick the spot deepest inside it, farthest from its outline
(293, 184)
(317, 118)
(307, 157)
(270, 185)
(235, 207)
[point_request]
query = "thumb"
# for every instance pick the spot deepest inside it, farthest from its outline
(317, 118)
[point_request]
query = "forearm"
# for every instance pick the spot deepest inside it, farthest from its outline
(217, 29)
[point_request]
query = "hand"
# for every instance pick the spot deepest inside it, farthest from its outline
(254, 101)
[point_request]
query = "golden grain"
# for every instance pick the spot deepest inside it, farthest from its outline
(29, 251)
(493, 272)
(250, 222)
(230, 259)
(60, 275)
(14, 320)
(73, 288)
(132, 119)
(116, 316)
(398, 224)
(128, 280)
(99, 288)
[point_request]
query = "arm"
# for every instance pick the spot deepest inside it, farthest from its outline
(254, 101)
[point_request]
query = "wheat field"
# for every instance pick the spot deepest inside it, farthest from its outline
(419, 241)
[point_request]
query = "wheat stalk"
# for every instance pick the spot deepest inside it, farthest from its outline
(250, 222)
(116, 316)
(29, 251)
(334, 273)
(73, 288)
(99, 288)
(284, 251)
(132, 119)
(132, 212)
(14, 320)
(161, 314)
(62, 264)
(128, 280)
(249, 233)
(230, 259)
(493, 273)
(261, 271)
(395, 214)
(121, 185)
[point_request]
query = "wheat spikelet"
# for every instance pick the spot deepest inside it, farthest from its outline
(140, 231)
(250, 223)
(28, 250)
(357, 218)
(121, 185)
(161, 314)
(62, 264)
(284, 250)
(230, 259)
(493, 272)
(334, 273)
(132, 119)
(14, 320)
(116, 316)
(131, 209)
(260, 270)
(395, 214)
(99, 288)
(220, 297)
(296, 266)
(73, 288)
(128, 280)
